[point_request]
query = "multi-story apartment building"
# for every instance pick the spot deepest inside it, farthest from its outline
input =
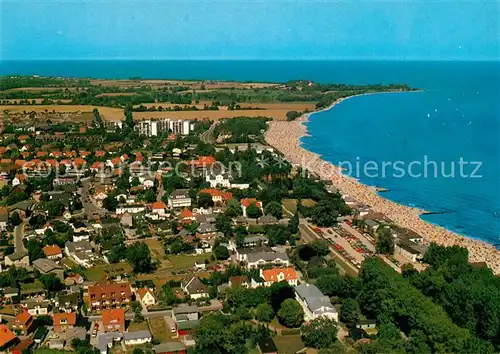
(152, 127)
(108, 296)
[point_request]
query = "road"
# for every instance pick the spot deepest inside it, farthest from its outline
(130, 315)
(207, 136)
(89, 208)
(18, 238)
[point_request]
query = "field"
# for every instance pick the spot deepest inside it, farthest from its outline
(99, 273)
(288, 106)
(156, 248)
(187, 261)
(159, 329)
(288, 344)
(278, 114)
(108, 113)
(291, 204)
(138, 326)
(193, 84)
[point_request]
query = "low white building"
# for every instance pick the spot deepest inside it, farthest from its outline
(130, 208)
(37, 307)
(137, 337)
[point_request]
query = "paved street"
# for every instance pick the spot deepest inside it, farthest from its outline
(18, 238)
(89, 208)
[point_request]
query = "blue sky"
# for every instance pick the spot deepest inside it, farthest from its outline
(248, 29)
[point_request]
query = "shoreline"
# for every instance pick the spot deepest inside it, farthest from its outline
(286, 137)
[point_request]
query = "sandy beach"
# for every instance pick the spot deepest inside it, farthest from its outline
(285, 136)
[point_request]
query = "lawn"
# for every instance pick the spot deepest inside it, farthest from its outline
(159, 329)
(35, 285)
(101, 272)
(288, 344)
(184, 261)
(156, 248)
(138, 326)
(291, 204)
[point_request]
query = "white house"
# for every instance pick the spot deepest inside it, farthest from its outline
(179, 198)
(148, 183)
(159, 208)
(193, 286)
(82, 252)
(146, 296)
(276, 275)
(217, 177)
(130, 208)
(259, 259)
(314, 303)
(37, 307)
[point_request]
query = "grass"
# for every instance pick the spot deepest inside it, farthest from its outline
(107, 113)
(35, 285)
(156, 248)
(291, 204)
(288, 344)
(138, 326)
(99, 273)
(159, 329)
(278, 114)
(187, 261)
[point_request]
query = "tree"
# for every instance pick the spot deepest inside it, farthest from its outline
(54, 208)
(349, 312)
(138, 351)
(15, 219)
(292, 115)
(293, 224)
(149, 196)
(273, 208)
(325, 213)
(205, 200)
(264, 313)
(329, 284)
(291, 313)
(221, 252)
(233, 208)
(253, 211)
(34, 250)
(319, 333)
(51, 282)
(139, 256)
(224, 224)
(320, 247)
(110, 203)
(385, 241)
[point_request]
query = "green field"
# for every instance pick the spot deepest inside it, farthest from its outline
(288, 344)
(101, 272)
(184, 261)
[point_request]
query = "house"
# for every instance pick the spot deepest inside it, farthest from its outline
(7, 337)
(81, 252)
(276, 275)
(113, 320)
(267, 346)
(218, 196)
(126, 220)
(37, 307)
(258, 259)
(267, 220)
(246, 202)
(146, 296)
(217, 176)
(179, 198)
(110, 295)
(4, 218)
(64, 321)
(47, 266)
(159, 208)
(366, 324)
(106, 340)
(187, 216)
(67, 302)
(193, 286)
(251, 241)
(82, 235)
(410, 250)
(22, 323)
(20, 260)
(10, 293)
(18, 179)
(314, 303)
(137, 337)
(148, 183)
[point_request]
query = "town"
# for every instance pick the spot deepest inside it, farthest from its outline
(170, 235)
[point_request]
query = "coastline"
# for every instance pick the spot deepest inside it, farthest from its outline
(286, 137)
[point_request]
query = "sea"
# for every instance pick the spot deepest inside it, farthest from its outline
(437, 149)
